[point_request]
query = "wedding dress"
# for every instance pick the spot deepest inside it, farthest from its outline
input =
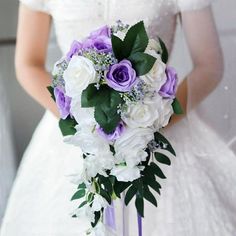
(7, 155)
(197, 197)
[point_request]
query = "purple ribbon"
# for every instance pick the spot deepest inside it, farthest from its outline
(110, 216)
(110, 219)
(140, 230)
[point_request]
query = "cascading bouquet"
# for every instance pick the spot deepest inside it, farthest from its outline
(115, 93)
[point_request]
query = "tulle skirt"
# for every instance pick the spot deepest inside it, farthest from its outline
(198, 196)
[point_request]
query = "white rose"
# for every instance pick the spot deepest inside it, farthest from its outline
(166, 111)
(88, 139)
(126, 173)
(133, 158)
(130, 146)
(143, 113)
(99, 202)
(83, 116)
(156, 77)
(97, 164)
(78, 75)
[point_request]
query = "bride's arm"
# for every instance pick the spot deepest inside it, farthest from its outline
(31, 50)
(203, 42)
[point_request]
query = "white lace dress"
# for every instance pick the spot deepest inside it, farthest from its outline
(198, 196)
(7, 154)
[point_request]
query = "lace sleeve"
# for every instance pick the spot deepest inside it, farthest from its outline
(190, 5)
(37, 5)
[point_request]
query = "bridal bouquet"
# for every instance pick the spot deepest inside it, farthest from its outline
(115, 93)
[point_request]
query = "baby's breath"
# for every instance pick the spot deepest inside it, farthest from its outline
(119, 26)
(101, 60)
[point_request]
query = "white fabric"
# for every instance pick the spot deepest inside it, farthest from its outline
(37, 5)
(198, 195)
(7, 155)
(189, 5)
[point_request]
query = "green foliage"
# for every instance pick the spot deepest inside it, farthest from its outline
(83, 204)
(79, 194)
(130, 194)
(105, 195)
(82, 186)
(157, 170)
(162, 158)
(160, 138)
(105, 100)
(106, 182)
(133, 47)
(51, 91)
(177, 107)
(120, 187)
(117, 45)
(92, 96)
(136, 39)
(142, 62)
(164, 55)
(67, 126)
(149, 196)
(97, 218)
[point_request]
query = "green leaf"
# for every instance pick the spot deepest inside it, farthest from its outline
(136, 39)
(106, 113)
(164, 55)
(177, 107)
(67, 126)
(149, 196)
(119, 187)
(108, 121)
(106, 195)
(139, 203)
(92, 96)
(161, 138)
(107, 183)
(97, 217)
(82, 204)
(117, 47)
(90, 197)
(155, 186)
(83, 185)
(142, 62)
(162, 158)
(51, 91)
(156, 169)
(130, 194)
(79, 194)
(112, 149)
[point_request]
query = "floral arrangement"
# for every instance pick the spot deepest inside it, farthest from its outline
(115, 93)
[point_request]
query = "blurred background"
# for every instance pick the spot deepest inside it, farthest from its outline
(22, 114)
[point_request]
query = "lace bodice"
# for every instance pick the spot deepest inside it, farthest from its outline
(74, 19)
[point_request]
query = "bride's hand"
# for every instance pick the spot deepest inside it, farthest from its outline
(31, 50)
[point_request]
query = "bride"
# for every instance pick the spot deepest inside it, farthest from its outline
(198, 196)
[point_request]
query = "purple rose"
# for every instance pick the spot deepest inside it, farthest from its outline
(113, 136)
(75, 48)
(100, 40)
(103, 31)
(100, 43)
(63, 102)
(168, 90)
(121, 76)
